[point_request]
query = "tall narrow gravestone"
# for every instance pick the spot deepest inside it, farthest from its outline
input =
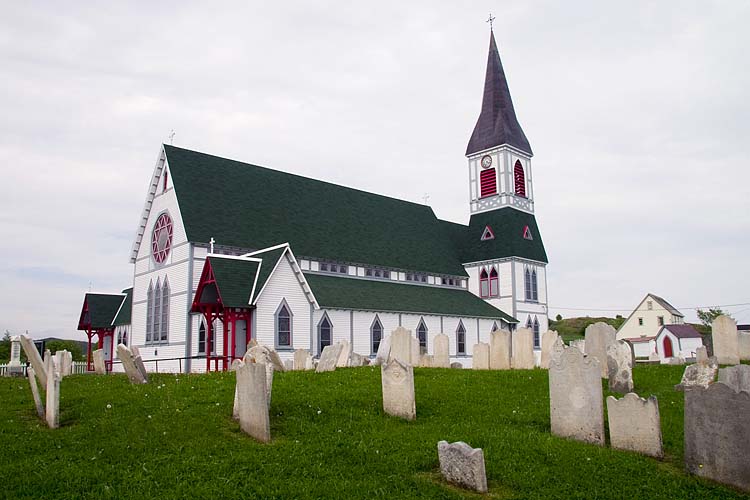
(100, 368)
(523, 349)
(384, 351)
(416, 351)
(328, 358)
(726, 341)
(500, 349)
(398, 389)
(548, 341)
(345, 354)
(252, 400)
(14, 366)
(35, 359)
(35, 393)
(598, 337)
(634, 424)
(441, 358)
(463, 465)
(575, 397)
(480, 357)
(401, 345)
(53, 396)
(717, 434)
(620, 367)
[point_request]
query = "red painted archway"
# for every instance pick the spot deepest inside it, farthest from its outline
(668, 347)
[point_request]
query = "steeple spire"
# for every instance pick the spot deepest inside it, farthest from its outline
(497, 123)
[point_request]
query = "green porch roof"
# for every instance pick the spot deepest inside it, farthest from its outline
(234, 279)
(126, 309)
(102, 308)
(258, 207)
(371, 295)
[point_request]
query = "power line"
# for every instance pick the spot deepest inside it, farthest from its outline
(655, 309)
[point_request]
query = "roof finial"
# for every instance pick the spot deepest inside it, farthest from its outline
(489, 20)
(171, 137)
(212, 244)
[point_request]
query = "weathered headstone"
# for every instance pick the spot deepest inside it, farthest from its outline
(463, 465)
(300, 359)
(264, 354)
(579, 344)
(620, 367)
(52, 405)
(357, 360)
(425, 361)
(100, 366)
(575, 397)
(676, 360)
(500, 349)
(253, 401)
(737, 377)
(67, 364)
(344, 355)
(700, 374)
(134, 373)
(480, 356)
(416, 351)
(401, 345)
(14, 365)
(328, 358)
(456, 365)
(701, 355)
(634, 424)
(384, 351)
(598, 337)
(441, 358)
(139, 363)
(523, 349)
(398, 389)
(288, 365)
(548, 341)
(35, 393)
(35, 359)
(557, 350)
(717, 434)
(726, 341)
(743, 341)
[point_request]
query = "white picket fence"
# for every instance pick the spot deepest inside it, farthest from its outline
(79, 367)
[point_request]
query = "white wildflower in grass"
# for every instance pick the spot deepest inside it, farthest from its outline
(319, 412)
(109, 406)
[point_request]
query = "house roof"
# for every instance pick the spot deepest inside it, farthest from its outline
(371, 295)
(666, 305)
(126, 308)
(102, 308)
(234, 279)
(683, 331)
(743, 328)
(639, 340)
(497, 123)
(258, 207)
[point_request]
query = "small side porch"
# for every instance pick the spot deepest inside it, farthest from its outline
(97, 315)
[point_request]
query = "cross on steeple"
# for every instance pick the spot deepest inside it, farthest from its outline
(489, 20)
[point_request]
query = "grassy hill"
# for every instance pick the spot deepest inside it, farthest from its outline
(574, 328)
(175, 438)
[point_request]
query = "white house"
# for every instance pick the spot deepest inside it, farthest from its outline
(677, 340)
(645, 322)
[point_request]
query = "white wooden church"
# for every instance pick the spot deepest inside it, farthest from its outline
(211, 273)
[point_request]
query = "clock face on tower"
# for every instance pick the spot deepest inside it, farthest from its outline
(486, 161)
(161, 238)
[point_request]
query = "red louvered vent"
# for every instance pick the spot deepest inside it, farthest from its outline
(487, 183)
(520, 179)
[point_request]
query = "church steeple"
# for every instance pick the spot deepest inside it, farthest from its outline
(497, 124)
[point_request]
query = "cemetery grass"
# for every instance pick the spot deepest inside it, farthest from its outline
(174, 438)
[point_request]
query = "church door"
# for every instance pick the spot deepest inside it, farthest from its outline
(667, 347)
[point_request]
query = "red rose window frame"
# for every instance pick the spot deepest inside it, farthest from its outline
(161, 238)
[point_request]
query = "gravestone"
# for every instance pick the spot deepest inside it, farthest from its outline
(598, 337)
(288, 365)
(401, 345)
(654, 357)
(717, 434)
(548, 341)
(253, 401)
(384, 351)
(523, 349)
(676, 360)
(441, 358)
(575, 397)
(300, 359)
(35, 393)
(500, 349)
(357, 360)
(264, 354)
(132, 370)
(67, 364)
(743, 342)
(634, 424)
(425, 361)
(14, 365)
(737, 377)
(462, 465)
(456, 365)
(416, 351)
(699, 374)
(480, 355)
(398, 389)
(32, 355)
(139, 363)
(620, 367)
(328, 358)
(726, 342)
(557, 350)
(344, 355)
(100, 366)
(52, 405)
(579, 344)
(701, 355)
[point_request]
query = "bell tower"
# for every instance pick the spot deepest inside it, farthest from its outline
(498, 152)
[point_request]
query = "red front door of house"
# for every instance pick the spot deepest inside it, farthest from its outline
(667, 347)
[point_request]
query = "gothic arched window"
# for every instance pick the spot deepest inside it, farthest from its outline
(519, 179)
(422, 336)
(527, 283)
(376, 334)
(534, 288)
(150, 313)
(460, 338)
(484, 286)
(164, 311)
(536, 333)
(494, 288)
(157, 312)
(283, 326)
(202, 338)
(325, 332)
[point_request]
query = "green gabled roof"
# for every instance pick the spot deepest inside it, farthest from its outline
(508, 226)
(259, 207)
(126, 309)
(371, 295)
(270, 258)
(234, 279)
(102, 309)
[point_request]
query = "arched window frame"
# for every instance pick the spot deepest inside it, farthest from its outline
(494, 326)
(156, 329)
(460, 338)
(484, 285)
(280, 328)
(202, 337)
(534, 287)
(527, 283)
(494, 282)
(535, 327)
(422, 332)
(150, 313)
(376, 334)
(164, 311)
(519, 179)
(325, 322)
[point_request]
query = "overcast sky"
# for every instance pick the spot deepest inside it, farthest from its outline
(637, 112)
